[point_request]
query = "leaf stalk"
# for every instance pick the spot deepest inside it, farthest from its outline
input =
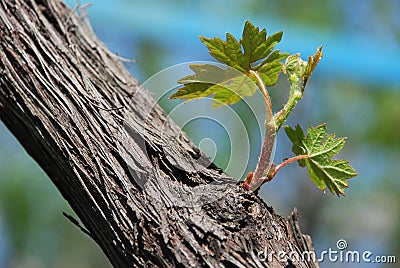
(285, 163)
(264, 161)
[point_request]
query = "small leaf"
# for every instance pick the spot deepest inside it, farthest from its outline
(253, 42)
(313, 61)
(253, 46)
(320, 148)
(296, 136)
(299, 71)
(228, 86)
(228, 51)
(269, 73)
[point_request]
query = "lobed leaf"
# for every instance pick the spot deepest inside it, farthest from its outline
(320, 148)
(253, 43)
(228, 86)
(252, 47)
(228, 51)
(296, 136)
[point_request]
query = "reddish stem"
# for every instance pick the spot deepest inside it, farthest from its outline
(285, 163)
(264, 161)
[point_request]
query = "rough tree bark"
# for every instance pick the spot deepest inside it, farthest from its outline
(65, 96)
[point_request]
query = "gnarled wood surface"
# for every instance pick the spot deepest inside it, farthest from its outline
(65, 97)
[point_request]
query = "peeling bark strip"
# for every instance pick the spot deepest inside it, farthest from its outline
(64, 96)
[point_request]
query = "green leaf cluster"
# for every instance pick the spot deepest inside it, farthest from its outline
(252, 63)
(320, 148)
(254, 51)
(299, 71)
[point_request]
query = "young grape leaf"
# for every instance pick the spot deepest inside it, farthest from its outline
(257, 46)
(228, 51)
(232, 84)
(320, 148)
(299, 71)
(252, 47)
(228, 86)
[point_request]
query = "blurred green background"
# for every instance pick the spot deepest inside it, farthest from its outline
(355, 89)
